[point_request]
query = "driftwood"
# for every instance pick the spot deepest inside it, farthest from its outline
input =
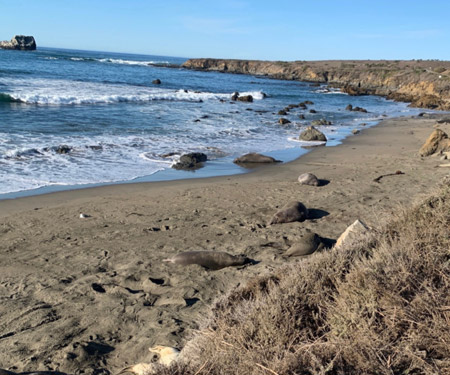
(385, 175)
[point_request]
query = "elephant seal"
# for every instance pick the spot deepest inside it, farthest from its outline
(293, 211)
(308, 244)
(308, 179)
(213, 260)
(254, 158)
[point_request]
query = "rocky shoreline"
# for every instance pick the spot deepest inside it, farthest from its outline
(424, 83)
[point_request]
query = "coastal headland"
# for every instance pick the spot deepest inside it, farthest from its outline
(91, 293)
(424, 83)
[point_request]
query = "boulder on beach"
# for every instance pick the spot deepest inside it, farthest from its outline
(312, 134)
(293, 211)
(351, 233)
(255, 158)
(191, 161)
(308, 179)
(20, 42)
(283, 121)
(306, 245)
(438, 141)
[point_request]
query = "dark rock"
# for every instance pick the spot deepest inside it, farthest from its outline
(349, 108)
(301, 117)
(255, 158)
(312, 111)
(282, 112)
(309, 102)
(283, 121)
(322, 121)
(20, 42)
(312, 134)
(191, 161)
(235, 96)
(293, 106)
(359, 109)
(314, 85)
(246, 98)
(156, 81)
(302, 105)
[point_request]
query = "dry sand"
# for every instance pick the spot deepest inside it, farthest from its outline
(86, 295)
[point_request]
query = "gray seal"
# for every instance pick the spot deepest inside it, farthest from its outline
(307, 245)
(213, 260)
(308, 179)
(293, 211)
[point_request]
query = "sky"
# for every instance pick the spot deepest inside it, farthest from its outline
(243, 29)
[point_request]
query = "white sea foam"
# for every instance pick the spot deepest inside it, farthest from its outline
(61, 92)
(132, 62)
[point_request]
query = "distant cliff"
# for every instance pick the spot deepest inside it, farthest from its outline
(424, 83)
(20, 42)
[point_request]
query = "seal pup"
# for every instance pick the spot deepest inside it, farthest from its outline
(307, 245)
(293, 211)
(308, 179)
(213, 260)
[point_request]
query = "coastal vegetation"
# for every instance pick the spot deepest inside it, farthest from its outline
(379, 305)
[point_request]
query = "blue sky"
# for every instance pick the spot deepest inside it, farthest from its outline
(269, 30)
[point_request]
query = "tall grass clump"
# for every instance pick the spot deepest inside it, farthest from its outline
(380, 306)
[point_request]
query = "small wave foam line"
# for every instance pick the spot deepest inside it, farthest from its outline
(65, 92)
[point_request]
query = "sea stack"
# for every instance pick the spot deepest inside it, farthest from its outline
(20, 42)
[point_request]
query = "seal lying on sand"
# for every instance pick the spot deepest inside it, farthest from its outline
(213, 260)
(293, 211)
(166, 354)
(308, 244)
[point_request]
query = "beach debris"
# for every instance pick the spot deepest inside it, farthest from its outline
(254, 157)
(354, 230)
(293, 211)
(190, 161)
(438, 141)
(312, 134)
(283, 121)
(213, 260)
(445, 165)
(308, 179)
(156, 81)
(84, 216)
(306, 245)
(378, 179)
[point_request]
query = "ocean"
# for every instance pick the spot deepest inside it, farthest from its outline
(72, 119)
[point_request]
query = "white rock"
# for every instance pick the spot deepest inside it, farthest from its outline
(354, 230)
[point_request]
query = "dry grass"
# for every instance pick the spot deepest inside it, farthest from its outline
(381, 306)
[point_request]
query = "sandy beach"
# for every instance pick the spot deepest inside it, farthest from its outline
(94, 294)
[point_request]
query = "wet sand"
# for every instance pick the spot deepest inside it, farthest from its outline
(94, 293)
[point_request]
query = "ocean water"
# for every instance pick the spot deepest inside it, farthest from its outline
(119, 127)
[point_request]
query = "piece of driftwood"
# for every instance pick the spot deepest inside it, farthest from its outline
(389, 174)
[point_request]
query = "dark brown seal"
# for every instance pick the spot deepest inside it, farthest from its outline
(306, 245)
(213, 260)
(293, 211)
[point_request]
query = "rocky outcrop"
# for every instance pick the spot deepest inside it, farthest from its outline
(423, 83)
(312, 134)
(20, 42)
(438, 141)
(193, 160)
